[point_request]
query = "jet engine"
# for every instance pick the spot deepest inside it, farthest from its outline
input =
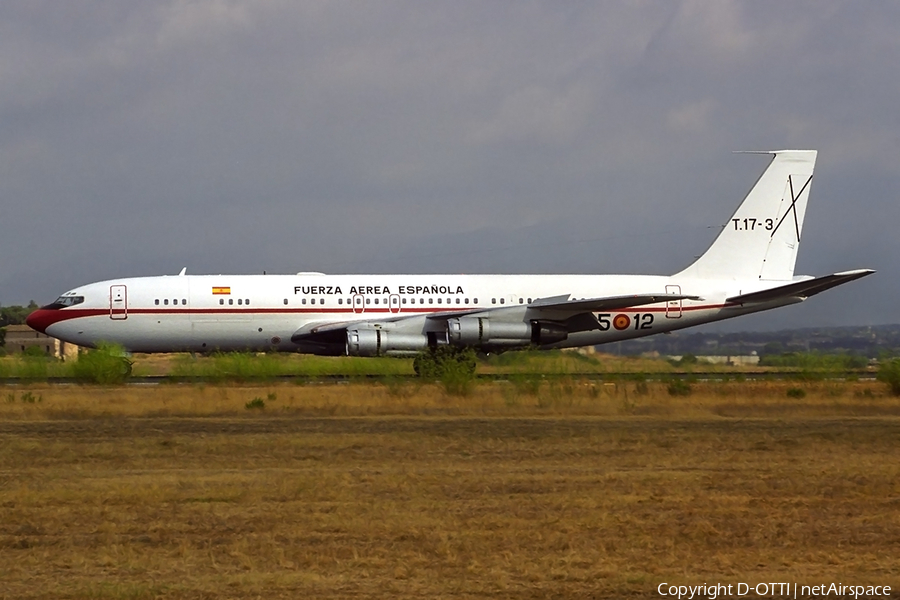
(378, 342)
(476, 331)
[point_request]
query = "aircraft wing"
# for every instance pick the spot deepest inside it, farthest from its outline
(561, 308)
(801, 289)
(562, 303)
(575, 314)
(318, 327)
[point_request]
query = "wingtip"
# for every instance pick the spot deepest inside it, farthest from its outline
(856, 272)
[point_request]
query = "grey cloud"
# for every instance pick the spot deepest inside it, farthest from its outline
(443, 136)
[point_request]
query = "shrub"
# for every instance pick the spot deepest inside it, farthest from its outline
(108, 364)
(526, 383)
(458, 374)
(688, 359)
(815, 362)
(401, 387)
(256, 404)
(34, 367)
(433, 363)
(679, 387)
(796, 393)
(34, 352)
(889, 373)
(243, 366)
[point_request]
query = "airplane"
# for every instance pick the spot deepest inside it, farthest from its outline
(748, 268)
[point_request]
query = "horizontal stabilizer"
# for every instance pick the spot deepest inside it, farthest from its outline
(604, 304)
(801, 289)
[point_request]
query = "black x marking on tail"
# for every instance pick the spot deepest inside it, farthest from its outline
(793, 207)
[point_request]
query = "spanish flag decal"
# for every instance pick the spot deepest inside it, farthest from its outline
(221, 291)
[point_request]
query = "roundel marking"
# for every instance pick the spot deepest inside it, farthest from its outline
(621, 322)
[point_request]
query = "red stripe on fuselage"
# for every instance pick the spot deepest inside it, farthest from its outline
(41, 319)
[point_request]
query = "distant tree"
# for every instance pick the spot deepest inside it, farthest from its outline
(814, 361)
(688, 359)
(16, 315)
(772, 348)
(889, 373)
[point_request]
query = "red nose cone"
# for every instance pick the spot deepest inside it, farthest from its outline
(41, 319)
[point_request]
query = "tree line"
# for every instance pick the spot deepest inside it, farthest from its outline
(14, 315)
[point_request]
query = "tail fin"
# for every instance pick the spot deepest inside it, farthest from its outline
(762, 237)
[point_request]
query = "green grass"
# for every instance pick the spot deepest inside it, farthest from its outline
(237, 366)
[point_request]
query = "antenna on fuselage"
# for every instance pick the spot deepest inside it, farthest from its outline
(183, 271)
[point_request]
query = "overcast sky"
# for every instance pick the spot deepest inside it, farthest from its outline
(137, 138)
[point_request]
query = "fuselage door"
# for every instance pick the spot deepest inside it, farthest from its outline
(673, 307)
(118, 302)
(359, 306)
(394, 303)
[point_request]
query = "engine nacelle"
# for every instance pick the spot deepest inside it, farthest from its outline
(476, 331)
(378, 342)
(543, 333)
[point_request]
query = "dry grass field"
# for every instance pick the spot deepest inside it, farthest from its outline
(562, 489)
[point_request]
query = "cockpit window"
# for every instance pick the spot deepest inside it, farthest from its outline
(65, 301)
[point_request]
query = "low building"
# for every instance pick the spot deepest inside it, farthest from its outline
(21, 337)
(741, 360)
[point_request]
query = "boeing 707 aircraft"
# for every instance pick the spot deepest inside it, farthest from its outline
(749, 268)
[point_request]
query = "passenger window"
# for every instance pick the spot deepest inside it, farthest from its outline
(439, 300)
(376, 300)
(467, 300)
(368, 300)
(457, 300)
(529, 301)
(403, 301)
(321, 300)
(521, 300)
(493, 301)
(285, 301)
(166, 301)
(474, 300)
(184, 301)
(156, 302)
(221, 301)
(230, 301)
(247, 302)
(431, 301)
(340, 300)
(502, 300)
(240, 301)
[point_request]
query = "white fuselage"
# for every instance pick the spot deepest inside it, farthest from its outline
(205, 313)
(748, 268)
